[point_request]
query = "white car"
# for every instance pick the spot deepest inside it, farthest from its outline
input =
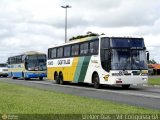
(3, 70)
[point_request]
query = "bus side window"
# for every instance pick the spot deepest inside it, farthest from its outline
(60, 52)
(67, 51)
(94, 46)
(84, 48)
(53, 53)
(105, 54)
(75, 50)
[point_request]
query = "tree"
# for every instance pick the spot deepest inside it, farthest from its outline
(152, 61)
(88, 34)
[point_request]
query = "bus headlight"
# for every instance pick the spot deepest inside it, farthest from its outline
(145, 79)
(144, 72)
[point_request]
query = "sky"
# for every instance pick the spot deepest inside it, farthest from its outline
(27, 25)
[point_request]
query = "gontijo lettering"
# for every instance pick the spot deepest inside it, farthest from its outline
(63, 62)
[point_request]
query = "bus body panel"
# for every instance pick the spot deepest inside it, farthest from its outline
(68, 71)
(80, 70)
(74, 73)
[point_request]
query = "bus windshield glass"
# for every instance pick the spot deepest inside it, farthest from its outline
(128, 59)
(127, 42)
(36, 62)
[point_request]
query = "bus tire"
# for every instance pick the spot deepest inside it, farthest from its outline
(40, 78)
(12, 76)
(125, 86)
(96, 81)
(61, 79)
(56, 77)
(24, 77)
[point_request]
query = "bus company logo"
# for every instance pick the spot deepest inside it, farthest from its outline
(63, 62)
(50, 62)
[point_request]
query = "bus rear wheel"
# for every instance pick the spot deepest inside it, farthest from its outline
(125, 86)
(61, 79)
(40, 78)
(12, 76)
(56, 77)
(96, 81)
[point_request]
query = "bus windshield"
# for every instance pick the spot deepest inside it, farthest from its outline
(123, 54)
(127, 43)
(127, 59)
(36, 62)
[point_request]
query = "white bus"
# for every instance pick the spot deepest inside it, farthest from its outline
(99, 60)
(3, 70)
(28, 65)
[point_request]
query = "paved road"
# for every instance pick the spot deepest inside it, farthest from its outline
(146, 97)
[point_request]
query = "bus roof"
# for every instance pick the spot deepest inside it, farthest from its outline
(76, 41)
(3, 63)
(32, 53)
(29, 53)
(87, 39)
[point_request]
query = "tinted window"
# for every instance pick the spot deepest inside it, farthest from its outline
(53, 53)
(75, 50)
(19, 59)
(67, 50)
(60, 52)
(105, 43)
(15, 60)
(105, 54)
(94, 45)
(3, 65)
(127, 42)
(84, 48)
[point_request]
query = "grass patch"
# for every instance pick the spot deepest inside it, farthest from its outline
(154, 81)
(16, 99)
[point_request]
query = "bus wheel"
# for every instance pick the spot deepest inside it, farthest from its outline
(56, 77)
(12, 76)
(61, 79)
(26, 78)
(40, 78)
(96, 81)
(125, 86)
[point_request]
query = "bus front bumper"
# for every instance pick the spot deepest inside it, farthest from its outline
(35, 75)
(128, 80)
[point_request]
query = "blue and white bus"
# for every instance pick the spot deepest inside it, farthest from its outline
(27, 65)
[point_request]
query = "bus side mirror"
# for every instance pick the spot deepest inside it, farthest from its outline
(147, 53)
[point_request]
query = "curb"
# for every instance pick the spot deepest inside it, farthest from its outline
(153, 86)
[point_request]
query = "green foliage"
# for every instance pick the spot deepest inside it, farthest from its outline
(152, 61)
(154, 81)
(89, 34)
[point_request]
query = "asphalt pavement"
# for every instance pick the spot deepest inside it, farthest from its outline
(142, 96)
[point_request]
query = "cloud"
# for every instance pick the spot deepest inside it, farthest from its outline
(36, 24)
(113, 13)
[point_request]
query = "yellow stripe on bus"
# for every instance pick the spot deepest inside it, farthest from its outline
(68, 72)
